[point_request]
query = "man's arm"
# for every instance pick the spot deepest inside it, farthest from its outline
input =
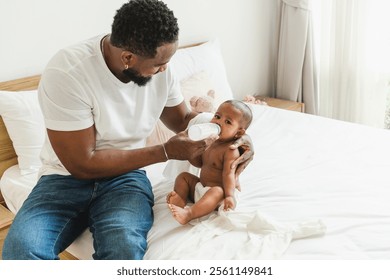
(176, 118)
(77, 149)
(77, 152)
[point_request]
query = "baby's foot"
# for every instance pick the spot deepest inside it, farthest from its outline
(182, 215)
(175, 199)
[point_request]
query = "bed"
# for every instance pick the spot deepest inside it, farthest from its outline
(317, 188)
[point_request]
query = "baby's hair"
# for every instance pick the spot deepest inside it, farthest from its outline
(244, 109)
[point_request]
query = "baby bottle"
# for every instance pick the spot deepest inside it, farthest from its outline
(201, 131)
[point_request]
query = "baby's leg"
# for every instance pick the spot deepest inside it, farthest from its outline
(175, 199)
(182, 215)
(184, 189)
(208, 203)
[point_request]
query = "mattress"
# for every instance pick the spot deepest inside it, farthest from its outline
(305, 168)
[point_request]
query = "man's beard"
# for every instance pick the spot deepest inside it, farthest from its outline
(135, 77)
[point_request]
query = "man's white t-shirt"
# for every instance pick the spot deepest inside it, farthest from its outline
(77, 90)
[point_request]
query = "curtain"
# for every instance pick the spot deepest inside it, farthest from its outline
(387, 113)
(296, 78)
(352, 40)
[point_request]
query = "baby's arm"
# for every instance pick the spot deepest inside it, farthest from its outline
(229, 178)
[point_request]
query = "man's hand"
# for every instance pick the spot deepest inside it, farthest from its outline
(243, 143)
(181, 147)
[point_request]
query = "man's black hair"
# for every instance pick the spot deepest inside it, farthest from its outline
(141, 26)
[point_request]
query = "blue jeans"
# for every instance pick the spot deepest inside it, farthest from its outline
(117, 210)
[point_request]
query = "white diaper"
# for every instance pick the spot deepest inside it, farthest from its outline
(199, 191)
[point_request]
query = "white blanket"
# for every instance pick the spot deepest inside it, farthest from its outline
(265, 238)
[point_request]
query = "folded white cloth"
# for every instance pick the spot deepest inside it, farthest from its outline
(265, 238)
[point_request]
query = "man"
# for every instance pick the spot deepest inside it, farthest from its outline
(100, 100)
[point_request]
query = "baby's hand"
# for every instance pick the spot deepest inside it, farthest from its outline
(229, 203)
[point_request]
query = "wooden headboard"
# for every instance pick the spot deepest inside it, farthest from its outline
(7, 152)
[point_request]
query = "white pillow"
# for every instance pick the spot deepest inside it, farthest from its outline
(206, 57)
(23, 119)
(200, 84)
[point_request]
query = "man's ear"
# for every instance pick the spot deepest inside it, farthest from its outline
(240, 132)
(128, 58)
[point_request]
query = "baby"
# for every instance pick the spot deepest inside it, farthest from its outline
(217, 181)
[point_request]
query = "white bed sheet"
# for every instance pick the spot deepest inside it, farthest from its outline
(305, 167)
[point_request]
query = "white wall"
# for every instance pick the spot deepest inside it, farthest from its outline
(31, 31)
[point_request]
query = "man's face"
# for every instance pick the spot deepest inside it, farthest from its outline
(144, 68)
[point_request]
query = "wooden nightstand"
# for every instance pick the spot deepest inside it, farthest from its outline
(283, 104)
(6, 218)
(2, 202)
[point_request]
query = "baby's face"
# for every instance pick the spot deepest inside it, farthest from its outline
(229, 119)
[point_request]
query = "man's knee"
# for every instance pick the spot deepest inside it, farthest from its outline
(24, 246)
(132, 247)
